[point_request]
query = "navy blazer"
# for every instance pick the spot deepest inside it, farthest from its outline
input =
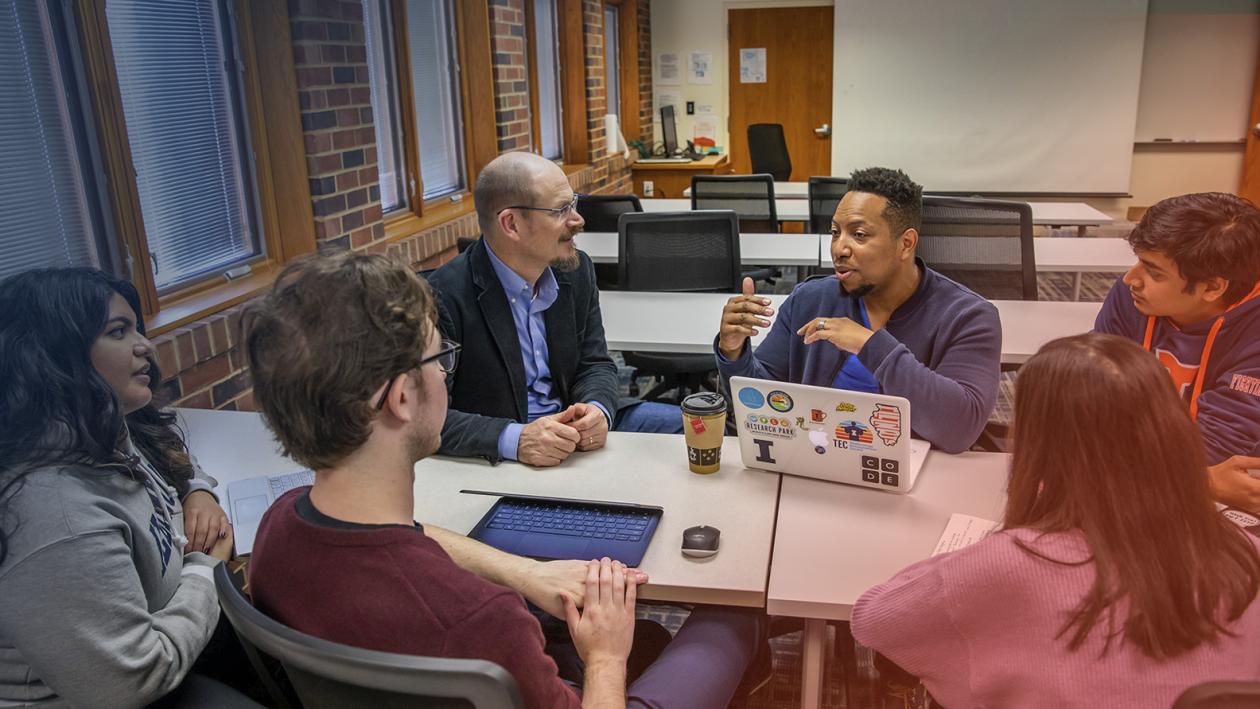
(487, 389)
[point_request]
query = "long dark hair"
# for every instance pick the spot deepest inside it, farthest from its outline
(1104, 446)
(55, 409)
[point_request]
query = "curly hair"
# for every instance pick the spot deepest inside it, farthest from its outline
(1208, 235)
(905, 196)
(55, 409)
(333, 329)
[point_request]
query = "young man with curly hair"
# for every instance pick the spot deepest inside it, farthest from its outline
(1193, 300)
(884, 323)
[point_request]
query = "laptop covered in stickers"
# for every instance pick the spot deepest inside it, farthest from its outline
(831, 434)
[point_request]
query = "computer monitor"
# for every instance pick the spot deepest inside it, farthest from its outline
(669, 131)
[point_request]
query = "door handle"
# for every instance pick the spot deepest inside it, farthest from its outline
(823, 131)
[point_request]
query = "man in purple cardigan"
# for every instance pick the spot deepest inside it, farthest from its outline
(884, 323)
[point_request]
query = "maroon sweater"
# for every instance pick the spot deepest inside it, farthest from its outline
(391, 588)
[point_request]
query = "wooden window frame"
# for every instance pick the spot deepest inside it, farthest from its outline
(571, 27)
(627, 65)
(476, 90)
(274, 119)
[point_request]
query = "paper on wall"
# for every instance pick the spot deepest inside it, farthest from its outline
(701, 68)
(704, 126)
(668, 98)
(667, 72)
(963, 531)
(752, 65)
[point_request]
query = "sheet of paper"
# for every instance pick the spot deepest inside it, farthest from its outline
(669, 98)
(667, 71)
(704, 126)
(752, 65)
(701, 68)
(963, 531)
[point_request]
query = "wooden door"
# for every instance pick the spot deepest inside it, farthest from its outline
(797, 89)
(1250, 187)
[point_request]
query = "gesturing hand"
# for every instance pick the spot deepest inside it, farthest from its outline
(844, 333)
(742, 314)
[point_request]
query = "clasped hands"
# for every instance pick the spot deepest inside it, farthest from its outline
(548, 440)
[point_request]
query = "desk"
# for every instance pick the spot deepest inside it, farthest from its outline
(832, 542)
(688, 322)
(646, 468)
(670, 179)
(754, 249)
(792, 204)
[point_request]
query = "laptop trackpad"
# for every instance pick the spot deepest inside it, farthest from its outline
(551, 546)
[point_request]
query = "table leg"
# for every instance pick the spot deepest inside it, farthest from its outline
(1080, 230)
(1076, 286)
(813, 663)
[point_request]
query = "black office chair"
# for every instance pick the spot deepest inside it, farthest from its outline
(767, 148)
(824, 194)
(751, 197)
(600, 213)
(1220, 695)
(984, 244)
(677, 252)
(327, 675)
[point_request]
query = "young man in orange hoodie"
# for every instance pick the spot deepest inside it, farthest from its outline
(1193, 299)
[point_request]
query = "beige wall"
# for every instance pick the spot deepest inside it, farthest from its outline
(1158, 170)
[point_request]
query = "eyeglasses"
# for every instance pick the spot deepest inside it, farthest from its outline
(562, 212)
(447, 358)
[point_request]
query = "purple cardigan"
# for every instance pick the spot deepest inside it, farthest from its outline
(941, 350)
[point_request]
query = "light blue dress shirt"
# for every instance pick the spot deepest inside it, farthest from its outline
(527, 308)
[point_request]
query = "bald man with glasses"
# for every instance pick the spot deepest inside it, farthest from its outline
(536, 383)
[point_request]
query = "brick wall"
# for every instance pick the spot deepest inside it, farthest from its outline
(511, 75)
(205, 366)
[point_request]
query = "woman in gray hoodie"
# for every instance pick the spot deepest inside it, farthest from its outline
(108, 533)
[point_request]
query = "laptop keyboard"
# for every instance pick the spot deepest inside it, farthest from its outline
(571, 520)
(281, 484)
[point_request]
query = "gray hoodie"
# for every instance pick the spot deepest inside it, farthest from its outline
(98, 604)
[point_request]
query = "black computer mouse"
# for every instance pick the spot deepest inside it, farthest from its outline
(700, 541)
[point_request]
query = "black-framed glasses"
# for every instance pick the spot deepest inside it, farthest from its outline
(447, 358)
(562, 212)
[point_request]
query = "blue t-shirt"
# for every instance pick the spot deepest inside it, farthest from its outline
(853, 375)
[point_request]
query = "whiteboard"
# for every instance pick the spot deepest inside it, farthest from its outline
(989, 95)
(1198, 72)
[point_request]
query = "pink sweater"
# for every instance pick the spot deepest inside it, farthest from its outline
(978, 626)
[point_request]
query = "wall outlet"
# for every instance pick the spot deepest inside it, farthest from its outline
(691, 108)
(648, 188)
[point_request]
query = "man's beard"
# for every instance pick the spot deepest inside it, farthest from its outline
(859, 292)
(567, 264)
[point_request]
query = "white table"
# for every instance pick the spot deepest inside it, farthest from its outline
(833, 542)
(793, 206)
(754, 249)
(688, 322)
(633, 467)
(1075, 256)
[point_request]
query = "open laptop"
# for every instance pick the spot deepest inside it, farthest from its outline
(831, 434)
(248, 500)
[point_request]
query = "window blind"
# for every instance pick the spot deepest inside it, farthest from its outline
(435, 91)
(177, 77)
(612, 65)
(42, 194)
(548, 69)
(383, 84)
